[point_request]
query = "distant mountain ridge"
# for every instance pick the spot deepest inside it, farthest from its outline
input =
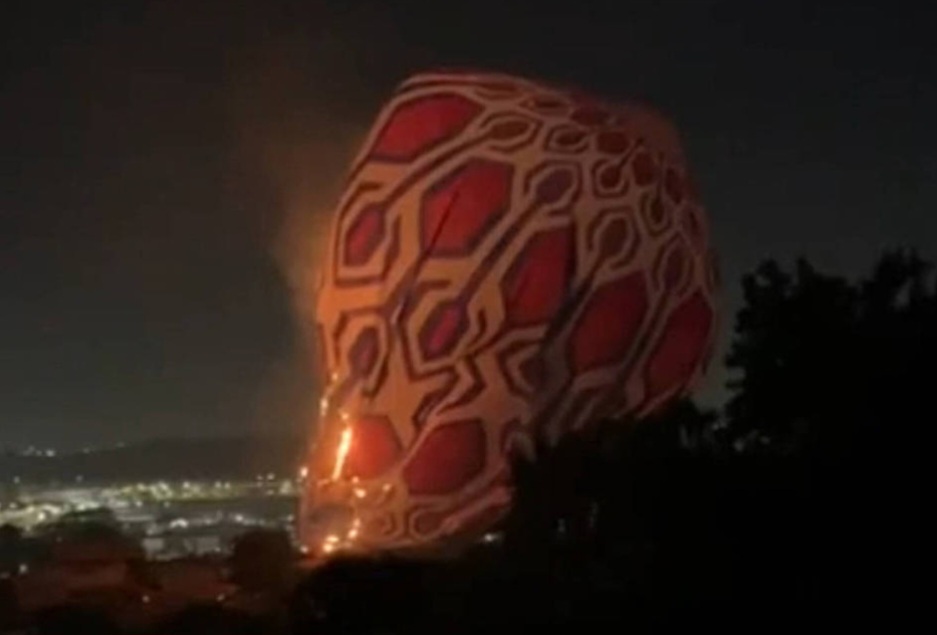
(236, 457)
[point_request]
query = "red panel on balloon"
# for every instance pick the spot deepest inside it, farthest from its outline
(609, 323)
(537, 281)
(421, 124)
(364, 235)
(442, 329)
(448, 458)
(681, 347)
(645, 169)
(462, 207)
(374, 447)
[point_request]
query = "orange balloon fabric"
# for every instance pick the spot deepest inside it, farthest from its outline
(509, 261)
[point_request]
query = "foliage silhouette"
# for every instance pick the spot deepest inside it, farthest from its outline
(790, 511)
(210, 619)
(835, 374)
(68, 620)
(825, 365)
(376, 594)
(771, 509)
(262, 561)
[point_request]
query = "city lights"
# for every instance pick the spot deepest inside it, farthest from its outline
(171, 518)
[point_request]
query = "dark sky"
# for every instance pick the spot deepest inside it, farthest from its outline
(155, 157)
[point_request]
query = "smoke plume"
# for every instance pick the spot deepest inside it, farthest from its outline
(294, 140)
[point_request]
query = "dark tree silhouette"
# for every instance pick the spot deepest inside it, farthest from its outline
(779, 516)
(68, 620)
(262, 561)
(580, 490)
(11, 616)
(606, 525)
(205, 619)
(11, 549)
(837, 375)
(379, 595)
(827, 366)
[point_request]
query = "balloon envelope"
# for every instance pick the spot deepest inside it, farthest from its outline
(509, 261)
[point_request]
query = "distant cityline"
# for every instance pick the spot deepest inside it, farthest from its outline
(202, 458)
(40, 450)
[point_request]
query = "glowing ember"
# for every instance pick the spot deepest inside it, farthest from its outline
(334, 542)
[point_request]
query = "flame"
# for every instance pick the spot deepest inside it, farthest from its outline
(343, 539)
(341, 454)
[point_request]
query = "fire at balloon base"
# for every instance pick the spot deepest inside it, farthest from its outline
(345, 519)
(332, 529)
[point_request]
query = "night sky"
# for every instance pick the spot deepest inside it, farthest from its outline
(160, 159)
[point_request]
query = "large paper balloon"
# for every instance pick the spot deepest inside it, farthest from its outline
(508, 261)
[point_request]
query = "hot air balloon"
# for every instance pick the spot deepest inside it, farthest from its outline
(509, 262)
